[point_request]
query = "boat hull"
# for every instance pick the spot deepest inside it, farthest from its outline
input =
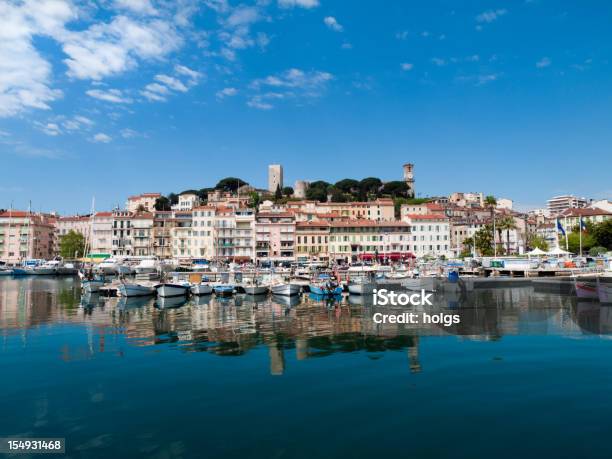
(224, 290)
(318, 290)
(286, 289)
(201, 289)
(6, 272)
(172, 290)
(131, 290)
(361, 288)
(256, 289)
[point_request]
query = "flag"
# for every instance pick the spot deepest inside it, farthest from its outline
(560, 227)
(582, 224)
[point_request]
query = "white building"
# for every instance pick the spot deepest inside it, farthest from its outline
(102, 233)
(275, 177)
(186, 202)
(132, 233)
(558, 204)
(504, 203)
(430, 235)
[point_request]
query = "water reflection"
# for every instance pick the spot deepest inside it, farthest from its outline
(309, 326)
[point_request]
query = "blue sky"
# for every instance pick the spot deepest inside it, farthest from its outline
(121, 97)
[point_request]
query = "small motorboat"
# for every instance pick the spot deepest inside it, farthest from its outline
(283, 288)
(203, 288)
(171, 289)
(256, 287)
(361, 286)
(130, 289)
(223, 289)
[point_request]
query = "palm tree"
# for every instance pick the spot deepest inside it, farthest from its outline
(507, 224)
(491, 202)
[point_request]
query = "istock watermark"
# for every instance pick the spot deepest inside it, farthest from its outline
(384, 297)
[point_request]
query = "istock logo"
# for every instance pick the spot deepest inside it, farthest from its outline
(384, 297)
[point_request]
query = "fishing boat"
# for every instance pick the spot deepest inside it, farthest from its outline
(223, 289)
(20, 272)
(284, 288)
(108, 266)
(5, 271)
(361, 286)
(256, 287)
(170, 289)
(202, 288)
(325, 285)
(427, 283)
(130, 289)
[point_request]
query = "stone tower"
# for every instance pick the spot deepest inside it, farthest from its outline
(409, 178)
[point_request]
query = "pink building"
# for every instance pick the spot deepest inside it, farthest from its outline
(25, 235)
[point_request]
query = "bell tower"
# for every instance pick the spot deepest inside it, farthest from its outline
(409, 178)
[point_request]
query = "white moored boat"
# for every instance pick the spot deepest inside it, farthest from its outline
(147, 266)
(136, 289)
(170, 289)
(361, 286)
(285, 288)
(108, 266)
(201, 289)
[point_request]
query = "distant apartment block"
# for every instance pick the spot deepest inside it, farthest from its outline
(558, 204)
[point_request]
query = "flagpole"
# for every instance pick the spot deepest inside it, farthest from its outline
(580, 231)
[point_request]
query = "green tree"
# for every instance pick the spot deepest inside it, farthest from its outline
(348, 186)
(597, 250)
(369, 186)
(483, 238)
(468, 245)
(395, 189)
(288, 191)
(278, 194)
(173, 198)
(506, 224)
(317, 191)
(254, 199)
(337, 195)
(602, 233)
(573, 242)
(162, 203)
(72, 245)
(490, 202)
(537, 241)
(230, 184)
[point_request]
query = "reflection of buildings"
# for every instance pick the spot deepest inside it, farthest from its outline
(312, 329)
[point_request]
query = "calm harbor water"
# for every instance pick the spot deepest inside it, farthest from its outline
(525, 374)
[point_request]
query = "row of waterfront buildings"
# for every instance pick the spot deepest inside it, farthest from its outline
(226, 228)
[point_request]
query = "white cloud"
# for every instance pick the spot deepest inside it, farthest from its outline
(438, 61)
(25, 76)
(172, 82)
(298, 3)
(406, 66)
(243, 15)
(136, 6)
(290, 84)
(346, 46)
(106, 49)
(544, 62)
(51, 129)
(333, 24)
(226, 92)
(156, 92)
(401, 35)
(100, 137)
(130, 133)
(491, 15)
(109, 95)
